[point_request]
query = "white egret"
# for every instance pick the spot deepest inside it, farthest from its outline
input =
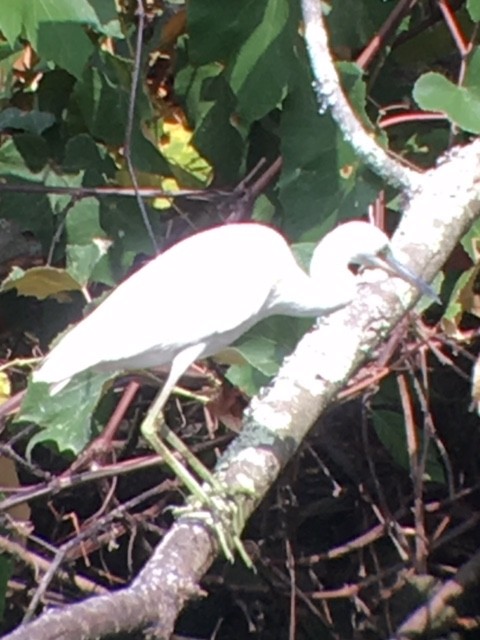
(202, 294)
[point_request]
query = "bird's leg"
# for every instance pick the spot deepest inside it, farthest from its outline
(157, 433)
(161, 434)
(212, 504)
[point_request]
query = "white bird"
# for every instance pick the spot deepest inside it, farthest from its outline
(197, 298)
(203, 293)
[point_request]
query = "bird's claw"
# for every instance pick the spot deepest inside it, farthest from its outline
(223, 515)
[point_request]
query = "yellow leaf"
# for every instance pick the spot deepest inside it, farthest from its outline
(5, 387)
(40, 282)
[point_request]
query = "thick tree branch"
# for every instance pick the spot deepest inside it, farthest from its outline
(330, 95)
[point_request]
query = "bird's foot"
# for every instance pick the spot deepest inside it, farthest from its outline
(223, 514)
(212, 502)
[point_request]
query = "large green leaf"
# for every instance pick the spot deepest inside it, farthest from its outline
(66, 417)
(461, 105)
(263, 350)
(102, 95)
(231, 23)
(87, 244)
(268, 47)
(352, 24)
(55, 28)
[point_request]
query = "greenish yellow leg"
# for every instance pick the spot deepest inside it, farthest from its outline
(215, 507)
(150, 429)
(209, 508)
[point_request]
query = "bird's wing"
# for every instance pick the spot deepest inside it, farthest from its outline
(209, 288)
(192, 293)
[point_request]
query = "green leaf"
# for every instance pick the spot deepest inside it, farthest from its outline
(471, 242)
(23, 156)
(8, 57)
(247, 378)
(66, 417)
(461, 300)
(264, 348)
(187, 165)
(24, 160)
(83, 153)
(461, 105)
(352, 24)
(122, 222)
(102, 94)
(88, 244)
(231, 22)
(82, 222)
(425, 301)
(83, 260)
(209, 101)
(303, 252)
(471, 80)
(269, 46)
(103, 17)
(11, 21)
(65, 44)
(56, 28)
(30, 121)
(54, 93)
(390, 428)
(473, 8)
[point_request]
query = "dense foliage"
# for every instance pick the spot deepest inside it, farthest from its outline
(225, 90)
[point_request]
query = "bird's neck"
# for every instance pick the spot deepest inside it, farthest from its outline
(305, 297)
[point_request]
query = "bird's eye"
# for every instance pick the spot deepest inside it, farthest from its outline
(384, 251)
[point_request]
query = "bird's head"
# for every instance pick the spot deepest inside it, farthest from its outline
(360, 243)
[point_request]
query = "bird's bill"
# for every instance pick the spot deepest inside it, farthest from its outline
(390, 264)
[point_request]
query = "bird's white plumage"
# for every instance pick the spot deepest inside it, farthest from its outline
(211, 287)
(203, 293)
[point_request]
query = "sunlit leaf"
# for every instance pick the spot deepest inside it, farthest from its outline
(40, 282)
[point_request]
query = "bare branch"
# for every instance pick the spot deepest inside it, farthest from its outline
(330, 95)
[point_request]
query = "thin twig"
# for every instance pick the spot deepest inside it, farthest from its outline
(131, 113)
(454, 27)
(388, 27)
(416, 475)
